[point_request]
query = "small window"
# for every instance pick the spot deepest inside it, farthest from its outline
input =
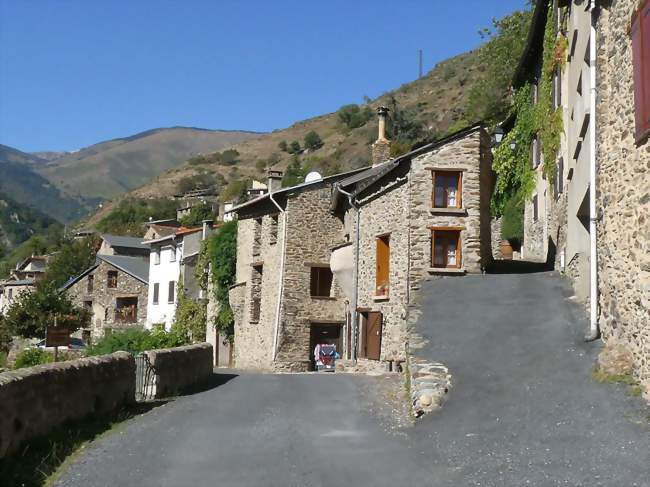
(111, 280)
(445, 249)
(257, 236)
(535, 210)
(640, 35)
(172, 254)
(535, 152)
(90, 283)
(447, 189)
(273, 231)
(321, 282)
(559, 178)
(88, 305)
(382, 276)
(256, 292)
(171, 290)
(126, 310)
(156, 292)
(156, 257)
(10, 294)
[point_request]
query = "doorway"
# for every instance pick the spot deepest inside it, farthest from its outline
(371, 331)
(324, 334)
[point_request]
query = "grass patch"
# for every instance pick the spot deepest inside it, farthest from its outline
(38, 461)
(604, 378)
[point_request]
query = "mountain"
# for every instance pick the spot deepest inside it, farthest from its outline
(20, 182)
(19, 222)
(438, 102)
(110, 168)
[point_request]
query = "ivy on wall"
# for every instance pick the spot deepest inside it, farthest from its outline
(512, 158)
(190, 318)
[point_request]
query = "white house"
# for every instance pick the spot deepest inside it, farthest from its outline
(172, 259)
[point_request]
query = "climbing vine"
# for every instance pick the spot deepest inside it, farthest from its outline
(512, 158)
(190, 318)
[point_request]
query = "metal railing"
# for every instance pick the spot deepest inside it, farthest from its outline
(145, 378)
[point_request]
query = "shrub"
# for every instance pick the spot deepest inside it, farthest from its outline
(201, 180)
(227, 157)
(136, 340)
(313, 141)
(283, 146)
(512, 223)
(130, 215)
(31, 357)
(352, 116)
(197, 214)
(294, 147)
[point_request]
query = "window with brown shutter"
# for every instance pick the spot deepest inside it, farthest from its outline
(446, 249)
(320, 282)
(640, 36)
(111, 279)
(382, 279)
(447, 189)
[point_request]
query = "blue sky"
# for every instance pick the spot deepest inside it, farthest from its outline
(76, 72)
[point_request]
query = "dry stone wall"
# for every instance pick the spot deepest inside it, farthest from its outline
(37, 399)
(180, 368)
(623, 196)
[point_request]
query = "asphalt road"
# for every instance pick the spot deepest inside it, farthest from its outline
(523, 411)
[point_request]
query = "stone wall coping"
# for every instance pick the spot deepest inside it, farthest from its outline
(447, 169)
(184, 348)
(80, 363)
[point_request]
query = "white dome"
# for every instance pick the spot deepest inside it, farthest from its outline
(313, 177)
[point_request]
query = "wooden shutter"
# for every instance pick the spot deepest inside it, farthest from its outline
(383, 261)
(640, 103)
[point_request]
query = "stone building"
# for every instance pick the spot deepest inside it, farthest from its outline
(423, 215)
(623, 196)
(23, 278)
(336, 260)
(115, 290)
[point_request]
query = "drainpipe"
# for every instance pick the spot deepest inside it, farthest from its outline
(594, 331)
(355, 297)
(276, 332)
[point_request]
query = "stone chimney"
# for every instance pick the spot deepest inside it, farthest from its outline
(274, 181)
(381, 148)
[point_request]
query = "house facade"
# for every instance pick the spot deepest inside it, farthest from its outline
(336, 261)
(115, 290)
(22, 279)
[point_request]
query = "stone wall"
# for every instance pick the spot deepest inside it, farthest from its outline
(495, 232)
(103, 298)
(312, 232)
(180, 368)
(35, 400)
(624, 194)
(535, 231)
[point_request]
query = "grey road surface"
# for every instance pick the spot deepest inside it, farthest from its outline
(523, 412)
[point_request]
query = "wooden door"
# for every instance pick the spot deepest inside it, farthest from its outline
(372, 337)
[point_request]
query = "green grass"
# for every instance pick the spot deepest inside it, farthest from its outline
(40, 461)
(601, 377)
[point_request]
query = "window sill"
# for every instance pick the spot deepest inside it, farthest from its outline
(449, 211)
(447, 270)
(380, 298)
(324, 298)
(254, 322)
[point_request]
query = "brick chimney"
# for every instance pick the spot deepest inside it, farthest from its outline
(274, 180)
(381, 147)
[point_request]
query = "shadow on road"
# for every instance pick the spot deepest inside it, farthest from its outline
(517, 267)
(217, 379)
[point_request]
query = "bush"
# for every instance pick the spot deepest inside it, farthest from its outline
(136, 340)
(31, 357)
(130, 215)
(313, 141)
(197, 214)
(352, 116)
(294, 147)
(512, 223)
(201, 180)
(283, 146)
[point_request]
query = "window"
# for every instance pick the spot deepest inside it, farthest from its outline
(156, 292)
(126, 310)
(172, 254)
(90, 283)
(256, 293)
(559, 178)
(640, 34)
(382, 276)
(321, 282)
(445, 249)
(111, 280)
(447, 189)
(171, 289)
(257, 236)
(273, 232)
(88, 305)
(535, 210)
(156, 257)
(535, 152)
(10, 293)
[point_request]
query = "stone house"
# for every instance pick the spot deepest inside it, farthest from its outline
(336, 260)
(115, 289)
(22, 279)
(123, 245)
(423, 215)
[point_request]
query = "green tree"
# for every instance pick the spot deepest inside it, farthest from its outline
(313, 141)
(190, 318)
(73, 257)
(295, 173)
(236, 189)
(228, 157)
(352, 116)
(32, 312)
(260, 166)
(499, 56)
(201, 180)
(131, 214)
(197, 214)
(294, 147)
(283, 146)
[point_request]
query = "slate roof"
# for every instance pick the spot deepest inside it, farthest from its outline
(134, 266)
(17, 282)
(121, 241)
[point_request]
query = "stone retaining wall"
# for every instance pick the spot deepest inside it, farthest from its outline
(35, 400)
(180, 368)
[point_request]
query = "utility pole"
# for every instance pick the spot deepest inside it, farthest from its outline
(420, 63)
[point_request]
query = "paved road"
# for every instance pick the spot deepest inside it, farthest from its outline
(523, 411)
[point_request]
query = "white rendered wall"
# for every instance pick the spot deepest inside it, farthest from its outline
(162, 274)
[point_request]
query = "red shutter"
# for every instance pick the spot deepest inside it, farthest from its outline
(639, 88)
(645, 64)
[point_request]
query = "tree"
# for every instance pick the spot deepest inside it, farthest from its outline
(499, 56)
(74, 257)
(33, 311)
(352, 116)
(236, 189)
(295, 173)
(313, 141)
(130, 215)
(190, 318)
(294, 147)
(199, 180)
(227, 157)
(404, 127)
(283, 146)
(197, 214)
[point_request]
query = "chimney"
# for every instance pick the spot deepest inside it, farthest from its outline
(274, 181)
(381, 148)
